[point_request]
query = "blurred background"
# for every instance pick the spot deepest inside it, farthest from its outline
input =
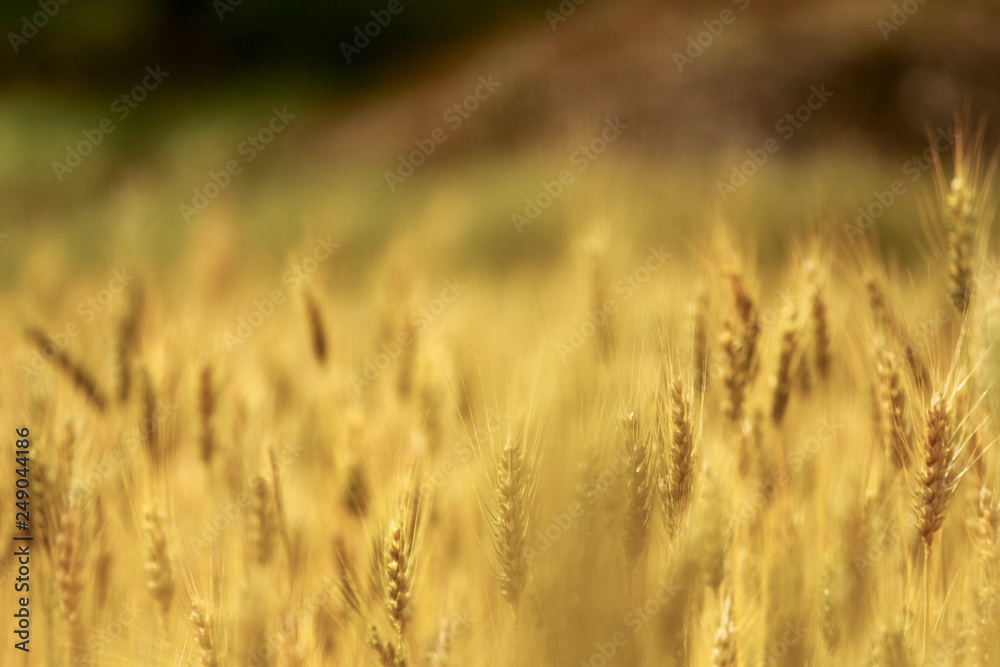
(364, 84)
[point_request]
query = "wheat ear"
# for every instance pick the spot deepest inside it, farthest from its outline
(206, 408)
(939, 474)
(261, 520)
(681, 476)
(724, 651)
(78, 375)
(68, 579)
(895, 427)
(509, 521)
(398, 562)
(203, 634)
(317, 332)
(159, 573)
(781, 380)
(638, 490)
(820, 330)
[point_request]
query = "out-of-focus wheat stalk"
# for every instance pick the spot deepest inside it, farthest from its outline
(159, 570)
(78, 375)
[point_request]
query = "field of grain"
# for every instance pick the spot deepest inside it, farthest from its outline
(649, 445)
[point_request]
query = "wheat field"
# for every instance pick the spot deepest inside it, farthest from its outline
(644, 450)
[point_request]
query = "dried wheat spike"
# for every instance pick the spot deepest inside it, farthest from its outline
(78, 375)
(681, 476)
(68, 570)
(821, 333)
(384, 650)
(206, 408)
(830, 623)
(892, 409)
(732, 376)
(638, 489)
(739, 344)
(888, 321)
(261, 521)
(961, 234)
(149, 428)
(159, 573)
(397, 576)
(203, 634)
(356, 490)
(317, 332)
(125, 335)
(68, 579)
(398, 569)
(988, 529)
(724, 653)
(102, 562)
(509, 521)
(938, 476)
(279, 506)
(700, 343)
(892, 648)
(782, 378)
